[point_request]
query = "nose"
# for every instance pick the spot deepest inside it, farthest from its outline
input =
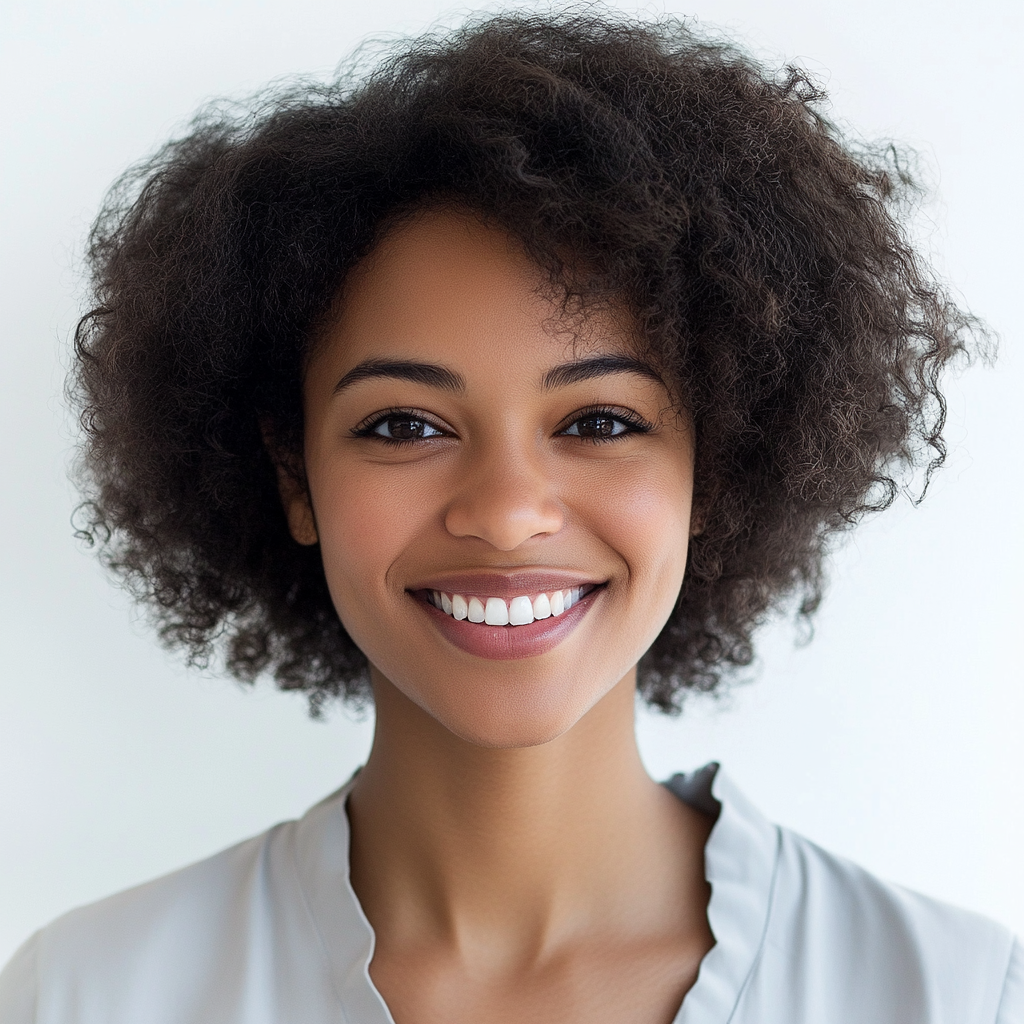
(505, 498)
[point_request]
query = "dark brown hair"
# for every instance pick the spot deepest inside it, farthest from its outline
(762, 255)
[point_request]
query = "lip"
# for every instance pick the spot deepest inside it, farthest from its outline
(507, 643)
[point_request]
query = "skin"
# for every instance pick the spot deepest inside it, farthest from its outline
(514, 858)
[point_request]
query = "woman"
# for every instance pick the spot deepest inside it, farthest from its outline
(531, 371)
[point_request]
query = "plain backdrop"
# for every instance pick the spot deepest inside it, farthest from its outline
(894, 738)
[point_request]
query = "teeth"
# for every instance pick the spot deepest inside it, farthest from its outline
(520, 611)
(496, 612)
(493, 611)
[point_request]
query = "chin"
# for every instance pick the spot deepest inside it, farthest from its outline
(506, 735)
(522, 716)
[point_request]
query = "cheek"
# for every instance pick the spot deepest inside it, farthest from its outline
(365, 523)
(645, 516)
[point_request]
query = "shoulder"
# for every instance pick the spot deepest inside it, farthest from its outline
(850, 946)
(869, 943)
(804, 935)
(186, 946)
(99, 961)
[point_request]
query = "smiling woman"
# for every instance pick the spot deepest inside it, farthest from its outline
(527, 373)
(458, 429)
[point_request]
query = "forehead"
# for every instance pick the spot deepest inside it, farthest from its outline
(447, 286)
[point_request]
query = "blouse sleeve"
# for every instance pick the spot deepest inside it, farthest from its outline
(18, 986)
(1011, 1006)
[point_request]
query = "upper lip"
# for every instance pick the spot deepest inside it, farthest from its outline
(506, 585)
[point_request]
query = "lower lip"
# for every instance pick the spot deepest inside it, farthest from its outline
(504, 643)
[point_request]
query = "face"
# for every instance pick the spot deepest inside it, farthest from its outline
(469, 459)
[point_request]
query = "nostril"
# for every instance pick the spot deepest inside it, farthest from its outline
(504, 516)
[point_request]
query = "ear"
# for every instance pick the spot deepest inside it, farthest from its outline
(697, 520)
(297, 507)
(294, 491)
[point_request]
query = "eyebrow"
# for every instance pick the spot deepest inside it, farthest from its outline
(598, 366)
(431, 374)
(444, 379)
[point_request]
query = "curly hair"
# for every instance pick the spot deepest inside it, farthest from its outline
(763, 255)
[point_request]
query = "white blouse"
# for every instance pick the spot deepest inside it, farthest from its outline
(270, 932)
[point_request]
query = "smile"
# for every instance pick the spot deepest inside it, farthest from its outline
(519, 611)
(510, 626)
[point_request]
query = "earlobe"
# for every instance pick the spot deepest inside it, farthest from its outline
(301, 523)
(291, 486)
(297, 508)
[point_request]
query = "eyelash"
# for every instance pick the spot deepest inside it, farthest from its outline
(634, 424)
(368, 427)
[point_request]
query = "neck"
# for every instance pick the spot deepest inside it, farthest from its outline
(457, 843)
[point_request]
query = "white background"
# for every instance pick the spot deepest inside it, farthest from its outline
(896, 737)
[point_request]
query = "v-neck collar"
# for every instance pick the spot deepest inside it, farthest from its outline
(322, 861)
(740, 863)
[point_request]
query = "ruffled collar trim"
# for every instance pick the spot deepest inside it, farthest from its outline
(740, 863)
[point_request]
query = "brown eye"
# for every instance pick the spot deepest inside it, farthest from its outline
(598, 426)
(402, 427)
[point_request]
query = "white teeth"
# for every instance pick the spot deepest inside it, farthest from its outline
(496, 612)
(493, 611)
(520, 611)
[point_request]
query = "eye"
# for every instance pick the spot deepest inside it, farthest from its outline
(398, 427)
(604, 425)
